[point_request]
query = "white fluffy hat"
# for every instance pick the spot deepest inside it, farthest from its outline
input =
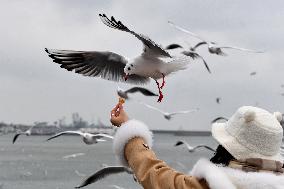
(251, 133)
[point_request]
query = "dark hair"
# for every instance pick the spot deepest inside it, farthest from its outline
(221, 156)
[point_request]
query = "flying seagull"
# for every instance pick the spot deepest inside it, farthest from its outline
(252, 73)
(104, 172)
(88, 138)
(112, 66)
(191, 53)
(73, 155)
(117, 187)
(124, 93)
(169, 115)
(27, 133)
(192, 149)
(218, 99)
(213, 48)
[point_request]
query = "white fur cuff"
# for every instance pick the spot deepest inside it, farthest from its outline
(215, 177)
(127, 131)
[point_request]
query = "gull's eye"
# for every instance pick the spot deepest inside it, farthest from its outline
(131, 65)
(128, 68)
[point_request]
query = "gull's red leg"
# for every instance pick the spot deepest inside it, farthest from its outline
(160, 92)
(164, 82)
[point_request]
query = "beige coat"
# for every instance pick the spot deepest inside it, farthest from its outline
(153, 173)
(132, 145)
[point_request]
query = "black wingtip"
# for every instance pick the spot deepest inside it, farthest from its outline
(81, 186)
(102, 15)
(46, 50)
(173, 46)
(208, 69)
(179, 143)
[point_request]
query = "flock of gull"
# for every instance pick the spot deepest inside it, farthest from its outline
(155, 62)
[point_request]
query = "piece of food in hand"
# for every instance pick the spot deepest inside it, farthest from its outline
(121, 101)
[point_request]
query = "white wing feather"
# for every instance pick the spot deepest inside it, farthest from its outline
(103, 135)
(186, 31)
(184, 112)
(241, 49)
(152, 107)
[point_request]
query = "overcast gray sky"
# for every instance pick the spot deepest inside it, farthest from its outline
(32, 88)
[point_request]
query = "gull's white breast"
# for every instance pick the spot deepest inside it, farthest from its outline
(153, 67)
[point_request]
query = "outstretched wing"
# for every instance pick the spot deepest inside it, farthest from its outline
(152, 107)
(15, 137)
(198, 44)
(219, 118)
(241, 49)
(173, 46)
(205, 64)
(184, 112)
(64, 133)
(142, 90)
(194, 55)
(107, 65)
(186, 31)
(205, 146)
(101, 135)
(180, 142)
(117, 187)
(104, 172)
(150, 47)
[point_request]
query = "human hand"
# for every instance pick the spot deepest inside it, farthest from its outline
(118, 116)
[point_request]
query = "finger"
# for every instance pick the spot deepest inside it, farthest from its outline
(120, 107)
(115, 108)
(112, 115)
(117, 113)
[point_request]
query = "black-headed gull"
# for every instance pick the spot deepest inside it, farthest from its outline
(169, 115)
(252, 73)
(88, 138)
(191, 148)
(213, 48)
(112, 66)
(124, 93)
(218, 99)
(73, 155)
(116, 186)
(191, 53)
(102, 173)
(27, 133)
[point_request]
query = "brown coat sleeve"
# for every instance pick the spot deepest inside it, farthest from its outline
(153, 173)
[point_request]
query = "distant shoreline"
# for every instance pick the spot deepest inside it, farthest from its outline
(183, 133)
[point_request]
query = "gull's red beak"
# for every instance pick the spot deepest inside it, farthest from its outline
(125, 77)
